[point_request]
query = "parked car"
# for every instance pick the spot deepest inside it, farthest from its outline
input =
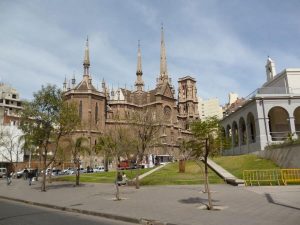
(98, 169)
(21, 173)
(2, 172)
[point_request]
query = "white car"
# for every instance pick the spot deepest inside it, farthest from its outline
(98, 169)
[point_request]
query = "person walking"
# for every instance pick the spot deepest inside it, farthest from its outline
(25, 174)
(30, 176)
(8, 176)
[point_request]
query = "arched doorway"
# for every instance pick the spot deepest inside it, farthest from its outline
(242, 131)
(297, 120)
(251, 128)
(279, 123)
(228, 134)
(235, 134)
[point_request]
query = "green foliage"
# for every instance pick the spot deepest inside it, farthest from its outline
(237, 164)
(103, 177)
(45, 120)
(169, 175)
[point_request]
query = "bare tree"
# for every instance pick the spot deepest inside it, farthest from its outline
(207, 142)
(116, 143)
(11, 144)
(76, 147)
(146, 126)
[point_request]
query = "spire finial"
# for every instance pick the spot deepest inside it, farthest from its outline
(139, 83)
(86, 60)
(163, 57)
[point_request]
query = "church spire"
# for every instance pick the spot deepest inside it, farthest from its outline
(163, 57)
(86, 60)
(139, 83)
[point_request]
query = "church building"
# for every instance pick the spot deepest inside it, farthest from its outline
(101, 109)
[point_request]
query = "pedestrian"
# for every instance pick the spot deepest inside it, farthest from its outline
(124, 178)
(119, 179)
(25, 174)
(9, 174)
(30, 176)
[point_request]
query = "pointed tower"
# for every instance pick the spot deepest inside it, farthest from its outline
(65, 84)
(163, 58)
(139, 83)
(86, 60)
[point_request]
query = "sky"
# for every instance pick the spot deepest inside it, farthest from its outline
(223, 44)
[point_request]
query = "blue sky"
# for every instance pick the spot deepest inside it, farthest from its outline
(223, 44)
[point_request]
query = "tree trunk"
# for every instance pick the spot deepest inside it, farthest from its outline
(117, 187)
(210, 206)
(181, 166)
(137, 180)
(77, 173)
(43, 188)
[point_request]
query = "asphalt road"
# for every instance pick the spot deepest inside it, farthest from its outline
(13, 213)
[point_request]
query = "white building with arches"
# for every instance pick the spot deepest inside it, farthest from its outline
(268, 115)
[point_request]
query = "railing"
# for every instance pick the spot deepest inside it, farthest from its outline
(279, 136)
(276, 176)
(290, 175)
(261, 176)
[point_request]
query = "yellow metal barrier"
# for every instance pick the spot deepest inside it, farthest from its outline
(261, 176)
(257, 177)
(290, 175)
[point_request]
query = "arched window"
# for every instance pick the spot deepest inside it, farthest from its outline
(96, 113)
(251, 128)
(80, 110)
(235, 134)
(279, 123)
(297, 120)
(242, 131)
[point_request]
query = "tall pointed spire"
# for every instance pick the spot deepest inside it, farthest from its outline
(163, 57)
(86, 60)
(139, 83)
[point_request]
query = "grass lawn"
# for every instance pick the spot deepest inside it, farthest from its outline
(236, 164)
(103, 177)
(169, 175)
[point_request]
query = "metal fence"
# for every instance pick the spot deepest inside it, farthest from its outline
(270, 177)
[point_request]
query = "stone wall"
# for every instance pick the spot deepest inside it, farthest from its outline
(287, 157)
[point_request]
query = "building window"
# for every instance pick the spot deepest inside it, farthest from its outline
(14, 96)
(7, 102)
(96, 113)
(80, 110)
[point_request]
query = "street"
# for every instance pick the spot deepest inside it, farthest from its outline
(13, 213)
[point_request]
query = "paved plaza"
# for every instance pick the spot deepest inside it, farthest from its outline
(167, 204)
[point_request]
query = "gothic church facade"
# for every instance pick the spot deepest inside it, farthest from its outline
(101, 109)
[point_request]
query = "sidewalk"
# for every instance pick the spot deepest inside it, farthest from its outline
(168, 204)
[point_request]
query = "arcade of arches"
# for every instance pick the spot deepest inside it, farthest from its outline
(280, 126)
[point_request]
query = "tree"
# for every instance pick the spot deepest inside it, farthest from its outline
(146, 126)
(77, 147)
(45, 120)
(11, 144)
(207, 142)
(110, 143)
(185, 153)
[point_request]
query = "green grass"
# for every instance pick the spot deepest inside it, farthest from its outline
(236, 164)
(103, 177)
(169, 175)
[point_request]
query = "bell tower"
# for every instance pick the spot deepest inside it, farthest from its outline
(187, 98)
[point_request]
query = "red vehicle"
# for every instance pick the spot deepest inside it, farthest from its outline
(123, 165)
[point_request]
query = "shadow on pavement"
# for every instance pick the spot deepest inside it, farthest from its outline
(271, 200)
(196, 200)
(58, 186)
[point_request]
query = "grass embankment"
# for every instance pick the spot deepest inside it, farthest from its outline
(169, 175)
(237, 164)
(103, 177)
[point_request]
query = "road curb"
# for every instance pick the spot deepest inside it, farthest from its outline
(92, 213)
